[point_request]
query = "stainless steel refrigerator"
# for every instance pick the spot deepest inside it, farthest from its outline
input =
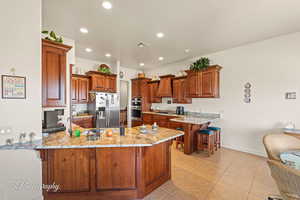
(106, 110)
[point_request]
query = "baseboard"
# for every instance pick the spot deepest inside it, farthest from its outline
(246, 150)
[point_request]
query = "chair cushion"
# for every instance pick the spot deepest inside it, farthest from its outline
(206, 131)
(214, 128)
(291, 159)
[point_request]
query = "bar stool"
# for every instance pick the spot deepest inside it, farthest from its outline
(217, 131)
(179, 140)
(206, 141)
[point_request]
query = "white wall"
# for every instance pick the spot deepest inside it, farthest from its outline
(84, 65)
(21, 48)
(272, 67)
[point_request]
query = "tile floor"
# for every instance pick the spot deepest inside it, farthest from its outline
(227, 175)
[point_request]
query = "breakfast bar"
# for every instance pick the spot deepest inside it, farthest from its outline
(109, 167)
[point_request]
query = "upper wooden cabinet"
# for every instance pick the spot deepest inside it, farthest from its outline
(204, 84)
(139, 87)
(102, 82)
(165, 86)
(80, 88)
(180, 90)
(153, 92)
(54, 73)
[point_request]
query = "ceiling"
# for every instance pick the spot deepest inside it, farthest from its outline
(203, 26)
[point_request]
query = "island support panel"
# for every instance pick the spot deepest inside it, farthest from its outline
(117, 173)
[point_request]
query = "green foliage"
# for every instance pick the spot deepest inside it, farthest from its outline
(104, 70)
(200, 64)
(52, 36)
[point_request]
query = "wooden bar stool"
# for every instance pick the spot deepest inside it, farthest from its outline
(179, 140)
(206, 141)
(217, 131)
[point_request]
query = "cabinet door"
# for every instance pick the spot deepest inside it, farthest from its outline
(83, 90)
(147, 119)
(111, 81)
(53, 77)
(135, 88)
(74, 90)
(70, 169)
(176, 91)
(154, 91)
(193, 86)
(183, 92)
(115, 168)
(209, 84)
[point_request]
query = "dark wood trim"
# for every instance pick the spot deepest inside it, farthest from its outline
(145, 78)
(89, 73)
(154, 81)
(167, 76)
(80, 76)
(50, 43)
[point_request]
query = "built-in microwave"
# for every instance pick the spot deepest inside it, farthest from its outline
(136, 108)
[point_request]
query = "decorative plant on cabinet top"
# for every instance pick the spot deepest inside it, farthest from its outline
(51, 35)
(200, 64)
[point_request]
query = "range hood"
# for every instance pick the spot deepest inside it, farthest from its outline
(165, 86)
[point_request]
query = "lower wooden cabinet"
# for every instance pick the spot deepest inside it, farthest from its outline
(161, 120)
(84, 122)
(121, 171)
(72, 163)
(135, 123)
(105, 173)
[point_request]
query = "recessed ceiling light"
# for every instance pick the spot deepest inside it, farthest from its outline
(161, 58)
(84, 30)
(160, 35)
(107, 5)
(108, 55)
(187, 50)
(142, 64)
(88, 50)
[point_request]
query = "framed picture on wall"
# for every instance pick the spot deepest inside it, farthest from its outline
(13, 87)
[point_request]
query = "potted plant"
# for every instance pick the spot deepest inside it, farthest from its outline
(104, 69)
(51, 35)
(200, 64)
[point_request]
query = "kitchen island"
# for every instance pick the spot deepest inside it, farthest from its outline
(190, 123)
(117, 167)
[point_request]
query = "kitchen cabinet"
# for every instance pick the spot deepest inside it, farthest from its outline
(72, 163)
(139, 88)
(147, 118)
(161, 120)
(102, 82)
(205, 83)
(54, 73)
(179, 85)
(135, 123)
(153, 92)
(165, 86)
(80, 88)
(84, 122)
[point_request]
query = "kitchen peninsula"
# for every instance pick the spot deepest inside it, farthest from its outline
(117, 167)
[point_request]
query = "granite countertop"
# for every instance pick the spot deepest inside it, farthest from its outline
(191, 118)
(166, 114)
(82, 116)
(195, 120)
(132, 138)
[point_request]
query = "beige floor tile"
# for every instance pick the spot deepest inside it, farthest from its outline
(227, 175)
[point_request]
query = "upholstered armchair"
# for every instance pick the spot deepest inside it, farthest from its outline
(286, 178)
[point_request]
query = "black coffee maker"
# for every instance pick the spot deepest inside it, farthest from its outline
(179, 110)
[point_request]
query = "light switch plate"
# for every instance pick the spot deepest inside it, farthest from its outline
(290, 95)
